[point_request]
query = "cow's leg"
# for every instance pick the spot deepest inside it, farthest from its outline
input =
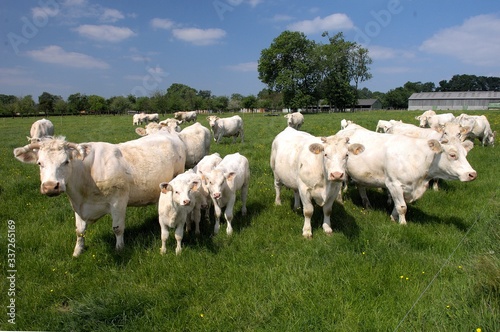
(81, 226)
(228, 213)
(327, 210)
(277, 188)
(364, 197)
(296, 200)
(308, 209)
(399, 210)
(217, 212)
(118, 215)
(242, 135)
(244, 195)
(196, 216)
(179, 233)
(164, 238)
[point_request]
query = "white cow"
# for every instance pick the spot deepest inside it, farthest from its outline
(435, 121)
(178, 199)
(480, 128)
(196, 139)
(40, 129)
(102, 178)
(295, 120)
(405, 165)
(232, 174)
(138, 118)
(415, 131)
(153, 117)
(423, 117)
(344, 123)
(313, 168)
(226, 127)
(171, 124)
(384, 125)
(186, 116)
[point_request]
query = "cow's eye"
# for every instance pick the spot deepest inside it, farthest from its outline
(453, 156)
(39, 164)
(65, 162)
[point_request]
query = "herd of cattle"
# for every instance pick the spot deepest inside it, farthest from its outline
(173, 168)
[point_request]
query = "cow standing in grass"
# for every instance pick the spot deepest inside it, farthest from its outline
(102, 178)
(41, 129)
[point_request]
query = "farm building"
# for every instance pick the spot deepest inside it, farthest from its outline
(368, 105)
(454, 101)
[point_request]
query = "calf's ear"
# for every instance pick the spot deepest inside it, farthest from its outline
(316, 148)
(435, 146)
(164, 187)
(356, 148)
(26, 154)
(230, 175)
(468, 145)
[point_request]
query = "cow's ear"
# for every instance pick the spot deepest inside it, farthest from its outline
(80, 151)
(356, 148)
(164, 187)
(468, 145)
(316, 148)
(434, 145)
(230, 176)
(140, 131)
(465, 130)
(26, 154)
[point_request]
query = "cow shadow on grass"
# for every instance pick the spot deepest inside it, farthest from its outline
(145, 235)
(378, 200)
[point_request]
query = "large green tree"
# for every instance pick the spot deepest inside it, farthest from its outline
(46, 103)
(289, 66)
(180, 97)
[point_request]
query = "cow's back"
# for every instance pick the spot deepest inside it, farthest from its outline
(152, 160)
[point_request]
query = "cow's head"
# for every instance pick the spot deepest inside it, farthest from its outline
(54, 157)
(452, 161)
(335, 151)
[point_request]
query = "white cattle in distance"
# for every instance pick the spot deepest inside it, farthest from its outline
(423, 118)
(138, 119)
(480, 128)
(295, 120)
(102, 178)
(171, 124)
(344, 123)
(195, 137)
(384, 125)
(179, 199)
(226, 127)
(405, 165)
(438, 120)
(40, 129)
(153, 117)
(415, 131)
(232, 174)
(186, 116)
(313, 168)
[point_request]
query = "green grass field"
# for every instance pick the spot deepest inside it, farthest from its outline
(441, 272)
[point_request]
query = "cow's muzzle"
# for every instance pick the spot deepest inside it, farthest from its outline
(51, 188)
(336, 176)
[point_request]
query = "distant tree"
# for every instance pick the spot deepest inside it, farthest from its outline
(249, 102)
(289, 66)
(219, 103)
(180, 97)
(158, 102)
(97, 104)
(60, 107)
(235, 102)
(417, 87)
(270, 100)
(365, 93)
(470, 83)
(203, 100)
(120, 105)
(143, 104)
(46, 102)
(77, 103)
(27, 105)
(360, 62)
(398, 98)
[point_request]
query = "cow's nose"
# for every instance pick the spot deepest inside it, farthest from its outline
(51, 188)
(336, 176)
(186, 202)
(216, 195)
(472, 175)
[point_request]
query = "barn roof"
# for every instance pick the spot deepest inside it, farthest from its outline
(457, 95)
(366, 102)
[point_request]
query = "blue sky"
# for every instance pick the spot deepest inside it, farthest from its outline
(112, 48)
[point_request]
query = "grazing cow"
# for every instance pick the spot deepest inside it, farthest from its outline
(40, 129)
(295, 120)
(101, 178)
(138, 119)
(171, 124)
(178, 199)
(436, 121)
(481, 128)
(423, 118)
(196, 139)
(229, 176)
(383, 125)
(153, 117)
(313, 168)
(186, 116)
(226, 127)
(405, 165)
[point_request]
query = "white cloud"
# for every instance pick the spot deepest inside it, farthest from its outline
(44, 11)
(111, 15)
(337, 21)
(199, 37)
(387, 53)
(162, 23)
(57, 55)
(243, 67)
(107, 33)
(476, 41)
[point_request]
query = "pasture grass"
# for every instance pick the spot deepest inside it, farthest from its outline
(440, 272)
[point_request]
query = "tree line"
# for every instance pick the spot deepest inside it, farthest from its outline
(298, 72)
